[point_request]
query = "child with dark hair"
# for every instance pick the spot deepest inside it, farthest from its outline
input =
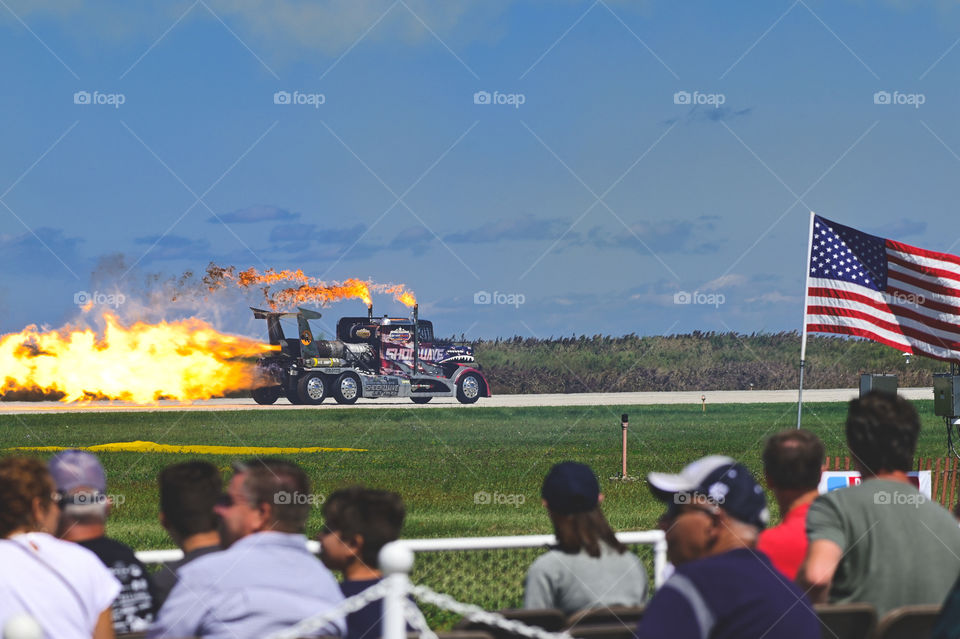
(589, 567)
(358, 522)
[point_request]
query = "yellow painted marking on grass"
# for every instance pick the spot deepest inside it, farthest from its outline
(195, 449)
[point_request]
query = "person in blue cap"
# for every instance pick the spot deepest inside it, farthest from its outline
(723, 587)
(588, 568)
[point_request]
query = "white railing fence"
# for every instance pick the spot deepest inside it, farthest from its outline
(653, 538)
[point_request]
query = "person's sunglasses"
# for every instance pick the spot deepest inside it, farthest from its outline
(225, 500)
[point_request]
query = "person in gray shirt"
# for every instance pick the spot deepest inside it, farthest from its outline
(266, 580)
(588, 568)
(881, 542)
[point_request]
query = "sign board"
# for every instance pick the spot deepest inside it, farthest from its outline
(833, 479)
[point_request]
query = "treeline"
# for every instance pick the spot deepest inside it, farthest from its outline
(689, 362)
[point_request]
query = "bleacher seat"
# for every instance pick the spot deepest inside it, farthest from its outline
(908, 622)
(625, 615)
(464, 634)
(846, 621)
(602, 631)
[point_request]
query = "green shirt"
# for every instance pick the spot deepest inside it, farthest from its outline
(899, 547)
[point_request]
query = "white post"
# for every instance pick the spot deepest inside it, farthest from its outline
(22, 626)
(803, 334)
(396, 562)
(659, 562)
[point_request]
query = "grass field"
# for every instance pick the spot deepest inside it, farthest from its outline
(439, 459)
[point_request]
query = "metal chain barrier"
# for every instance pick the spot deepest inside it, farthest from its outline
(413, 615)
(353, 604)
(476, 613)
(417, 621)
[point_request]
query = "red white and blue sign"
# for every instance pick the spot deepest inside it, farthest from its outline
(834, 479)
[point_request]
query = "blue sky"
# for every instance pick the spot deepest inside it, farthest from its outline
(595, 201)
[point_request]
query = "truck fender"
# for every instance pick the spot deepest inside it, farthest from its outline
(463, 370)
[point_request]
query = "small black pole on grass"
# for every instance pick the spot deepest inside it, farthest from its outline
(624, 426)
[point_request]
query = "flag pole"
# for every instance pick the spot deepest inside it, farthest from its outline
(803, 333)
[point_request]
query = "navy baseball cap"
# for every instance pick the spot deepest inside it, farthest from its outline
(571, 487)
(718, 480)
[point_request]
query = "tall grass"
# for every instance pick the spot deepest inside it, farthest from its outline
(689, 362)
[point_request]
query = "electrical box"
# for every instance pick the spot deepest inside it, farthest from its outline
(882, 383)
(946, 395)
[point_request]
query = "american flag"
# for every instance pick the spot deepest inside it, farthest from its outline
(882, 290)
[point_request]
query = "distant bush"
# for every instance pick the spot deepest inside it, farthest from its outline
(689, 362)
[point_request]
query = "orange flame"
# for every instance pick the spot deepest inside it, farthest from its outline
(184, 360)
(322, 295)
(310, 290)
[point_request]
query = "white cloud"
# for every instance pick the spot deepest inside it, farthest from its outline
(775, 297)
(730, 280)
(276, 26)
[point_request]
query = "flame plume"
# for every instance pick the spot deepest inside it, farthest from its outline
(143, 363)
(310, 290)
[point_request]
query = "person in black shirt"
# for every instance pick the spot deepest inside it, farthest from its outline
(188, 493)
(358, 522)
(85, 506)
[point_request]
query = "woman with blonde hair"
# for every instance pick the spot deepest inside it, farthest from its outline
(62, 586)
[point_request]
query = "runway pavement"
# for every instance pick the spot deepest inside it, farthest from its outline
(503, 401)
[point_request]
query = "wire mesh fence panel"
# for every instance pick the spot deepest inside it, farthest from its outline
(491, 579)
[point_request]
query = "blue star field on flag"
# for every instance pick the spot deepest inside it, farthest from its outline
(842, 253)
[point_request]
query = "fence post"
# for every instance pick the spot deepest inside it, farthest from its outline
(396, 562)
(624, 425)
(659, 561)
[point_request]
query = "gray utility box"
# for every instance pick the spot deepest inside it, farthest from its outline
(946, 395)
(882, 383)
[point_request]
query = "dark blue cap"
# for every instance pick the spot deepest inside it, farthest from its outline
(571, 487)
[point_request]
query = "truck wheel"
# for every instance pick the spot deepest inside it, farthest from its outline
(312, 388)
(421, 400)
(347, 388)
(292, 394)
(468, 388)
(265, 395)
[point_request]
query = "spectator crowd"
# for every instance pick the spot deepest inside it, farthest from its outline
(246, 571)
